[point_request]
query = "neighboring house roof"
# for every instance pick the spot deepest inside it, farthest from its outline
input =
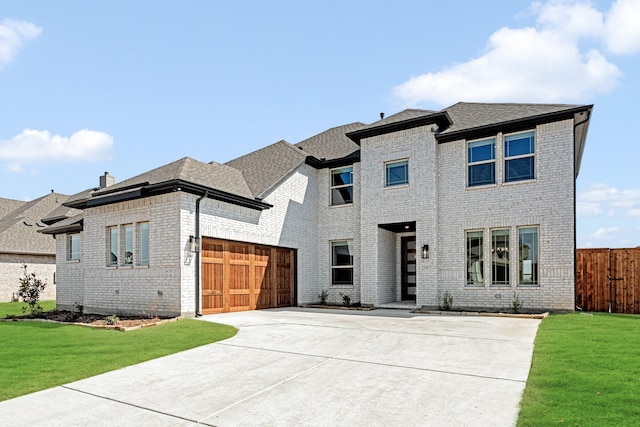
(217, 181)
(267, 166)
(19, 227)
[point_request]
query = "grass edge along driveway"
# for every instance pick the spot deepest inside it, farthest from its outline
(585, 372)
(38, 355)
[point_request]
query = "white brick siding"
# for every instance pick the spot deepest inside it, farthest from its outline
(11, 271)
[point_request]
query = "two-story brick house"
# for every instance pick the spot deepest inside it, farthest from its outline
(476, 200)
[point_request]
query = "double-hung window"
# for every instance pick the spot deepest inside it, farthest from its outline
(341, 263)
(528, 256)
(112, 246)
(475, 255)
(74, 247)
(143, 243)
(342, 186)
(519, 155)
(396, 173)
(500, 257)
(481, 160)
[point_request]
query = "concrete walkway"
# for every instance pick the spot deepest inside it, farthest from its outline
(305, 367)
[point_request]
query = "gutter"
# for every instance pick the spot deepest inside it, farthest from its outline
(198, 239)
(575, 205)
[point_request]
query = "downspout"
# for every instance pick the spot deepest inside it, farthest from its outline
(575, 207)
(198, 239)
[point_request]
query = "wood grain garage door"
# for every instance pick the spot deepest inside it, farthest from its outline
(243, 276)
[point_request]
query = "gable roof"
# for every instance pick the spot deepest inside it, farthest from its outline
(266, 167)
(8, 205)
(19, 227)
(217, 181)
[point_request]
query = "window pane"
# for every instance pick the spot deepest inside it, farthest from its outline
(143, 238)
(342, 276)
(519, 169)
(341, 254)
(341, 196)
(342, 176)
(500, 257)
(74, 246)
(528, 256)
(482, 174)
(480, 151)
(474, 258)
(518, 145)
(397, 173)
(113, 246)
(128, 244)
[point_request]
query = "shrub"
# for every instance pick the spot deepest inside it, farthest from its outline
(29, 291)
(112, 320)
(346, 300)
(517, 304)
(447, 301)
(323, 296)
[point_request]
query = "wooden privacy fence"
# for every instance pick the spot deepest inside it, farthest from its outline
(608, 280)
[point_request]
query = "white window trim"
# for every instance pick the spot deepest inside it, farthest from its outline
(332, 187)
(140, 262)
(505, 158)
(529, 285)
(392, 162)
(482, 284)
(508, 250)
(69, 248)
(349, 244)
(482, 162)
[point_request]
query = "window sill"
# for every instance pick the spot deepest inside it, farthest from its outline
(344, 205)
(481, 187)
(390, 187)
(527, 286)
(142, 266)
(481, 286)
(73, 261)
(523, 181)
(342, 286)
(500, 286)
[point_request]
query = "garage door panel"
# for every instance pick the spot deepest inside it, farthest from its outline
(243, 276)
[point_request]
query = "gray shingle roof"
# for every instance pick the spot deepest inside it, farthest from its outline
(333, 143)
(264, 168)
(469, 115)
(8, 205)
(19, 228)
(71, 224)
(410, 113)
(212, 175)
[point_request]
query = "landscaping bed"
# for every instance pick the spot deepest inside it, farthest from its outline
(121, 323)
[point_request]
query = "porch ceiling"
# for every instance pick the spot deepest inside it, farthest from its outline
(400, 227)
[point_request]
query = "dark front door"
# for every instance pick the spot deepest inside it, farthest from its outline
(409, 268)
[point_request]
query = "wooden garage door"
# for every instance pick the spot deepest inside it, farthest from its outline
(243, 276)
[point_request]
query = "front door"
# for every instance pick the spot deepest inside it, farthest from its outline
(409, 268)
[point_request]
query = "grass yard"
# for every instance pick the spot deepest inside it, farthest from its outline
(37, 355)
(15, 308)
(585, 372)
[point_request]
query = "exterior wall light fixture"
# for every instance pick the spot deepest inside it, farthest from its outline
(425, 252)
(194, 244)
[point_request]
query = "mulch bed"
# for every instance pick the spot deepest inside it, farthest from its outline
(123, 323)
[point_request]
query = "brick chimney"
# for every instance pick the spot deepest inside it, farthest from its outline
(106, 180)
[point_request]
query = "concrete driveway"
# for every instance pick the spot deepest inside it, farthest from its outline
(305, 367)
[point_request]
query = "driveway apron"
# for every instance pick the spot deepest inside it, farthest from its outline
(311, 367)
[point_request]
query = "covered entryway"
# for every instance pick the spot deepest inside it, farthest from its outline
(239, 276)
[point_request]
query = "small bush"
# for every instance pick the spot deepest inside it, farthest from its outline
(447, 301)
(323, 296)
(29, 291)
(517, 304)
(346, 300)
(112, 320)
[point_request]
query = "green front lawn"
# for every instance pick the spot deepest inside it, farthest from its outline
(585, 372)
(15, 308)
(37, 355)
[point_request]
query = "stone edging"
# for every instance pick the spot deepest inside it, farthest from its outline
(484, 314)
(88, 325)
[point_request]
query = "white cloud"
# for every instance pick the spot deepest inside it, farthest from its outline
(13, 34)
(35, 146)
(547, 63)
(622, 28)
(600, 196)
(605, 233)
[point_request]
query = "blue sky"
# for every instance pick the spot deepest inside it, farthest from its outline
(126, 86)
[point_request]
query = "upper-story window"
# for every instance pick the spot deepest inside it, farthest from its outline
(74, 247)
(396, 173)
(342, 186)
(519, 156)
(481, 160)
